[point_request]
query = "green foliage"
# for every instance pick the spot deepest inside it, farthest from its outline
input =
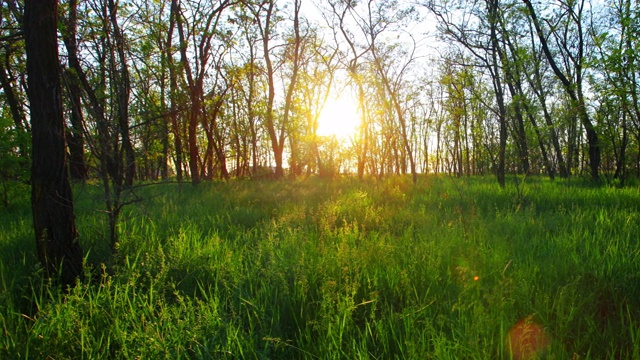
(337, 269)
(13, 164)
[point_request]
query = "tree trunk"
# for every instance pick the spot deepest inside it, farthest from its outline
(363, 142)
(535, 83)
(75, 135)
(573, 89)
(173, 94)
(520, 132)
(497, 84)
(276, 142)
(51, 195)
(123, 90)
(194, 96)
(75, 138)
(401, 118)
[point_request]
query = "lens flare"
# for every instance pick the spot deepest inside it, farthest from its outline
(527, 340)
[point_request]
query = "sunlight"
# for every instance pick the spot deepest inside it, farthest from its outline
(339, 117)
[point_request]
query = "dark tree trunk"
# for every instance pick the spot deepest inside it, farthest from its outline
(497, 84)
(192, 139)
(51, 196)
(173, 94)
(216, 137)
(75, 135)
(621, 158)
(195, 86)
(519, 132)
(123, 90)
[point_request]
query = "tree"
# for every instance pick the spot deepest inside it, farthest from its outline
(293, 51)
(247, 82)
(616, 40)
(477, 30)
(340, 14)
(392, 80)
(535, 80)
(573, 52)
(121, 79)
(266, 26)
(317, 80)
(51, 195)
(75, 137)
(456, 83)
(149, 26)
(197, 34)
(15, 146)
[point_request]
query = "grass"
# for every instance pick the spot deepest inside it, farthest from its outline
(335, 270)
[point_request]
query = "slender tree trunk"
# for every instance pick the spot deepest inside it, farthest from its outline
(400, 114)
(51, 195)
(535, 82)
(123, 91)
(497, 85)
(276, 143)
(543, 150)
(512, 79)
(173, 93)
(297, 49)
(75, 135)
(621, 158)
(363, 143)
(215, 137)
(163, 160)
(75, 138)
(194, 95)
(520, 132)
(573, 89)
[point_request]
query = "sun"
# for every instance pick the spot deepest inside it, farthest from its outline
(339, 117)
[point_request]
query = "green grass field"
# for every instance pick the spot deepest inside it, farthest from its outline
(346, 269)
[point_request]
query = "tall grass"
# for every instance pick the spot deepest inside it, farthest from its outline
(336, 270)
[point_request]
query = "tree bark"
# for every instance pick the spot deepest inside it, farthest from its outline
(75, 135)
(51, 195)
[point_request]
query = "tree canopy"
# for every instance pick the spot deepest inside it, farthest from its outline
(211, 89)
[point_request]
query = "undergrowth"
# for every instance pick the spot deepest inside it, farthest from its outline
(339, 269)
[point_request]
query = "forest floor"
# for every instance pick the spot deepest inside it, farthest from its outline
(450, 268)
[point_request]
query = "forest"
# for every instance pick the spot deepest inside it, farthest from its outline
(251, 161)
(201, 90)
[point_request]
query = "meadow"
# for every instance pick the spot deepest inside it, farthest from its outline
(343, 269)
